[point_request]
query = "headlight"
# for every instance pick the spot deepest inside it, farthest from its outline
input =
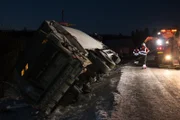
(168, 57)
(159, 42)
(159, 33)
(167, 42)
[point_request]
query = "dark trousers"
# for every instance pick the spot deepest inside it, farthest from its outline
(145, 59)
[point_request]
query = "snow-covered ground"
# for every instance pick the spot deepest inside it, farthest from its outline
(129, 93)
(148, 94)
(95, 106)
(137, 94)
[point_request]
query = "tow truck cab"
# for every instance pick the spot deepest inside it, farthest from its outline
(167, 48)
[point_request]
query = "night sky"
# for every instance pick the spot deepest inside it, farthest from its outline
(103, 16)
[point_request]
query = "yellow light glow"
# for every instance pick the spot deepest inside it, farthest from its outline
(167, 42)
(26, 67)
(168, 57)
(163, 30)
(22, 72)
(159, 52)
(174, 30)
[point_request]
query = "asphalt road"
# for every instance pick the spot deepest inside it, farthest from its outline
(148, 94)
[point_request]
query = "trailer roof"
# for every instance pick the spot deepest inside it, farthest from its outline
(84, 39)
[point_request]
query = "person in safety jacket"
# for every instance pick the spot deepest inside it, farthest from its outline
(144, 51)
(136, 54)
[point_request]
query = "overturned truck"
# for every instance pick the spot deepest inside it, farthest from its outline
(105, 58)
(51, 64)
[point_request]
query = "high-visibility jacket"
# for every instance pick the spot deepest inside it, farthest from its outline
(136, 52)
(143, 50)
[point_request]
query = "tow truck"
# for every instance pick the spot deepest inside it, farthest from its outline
(165, 47)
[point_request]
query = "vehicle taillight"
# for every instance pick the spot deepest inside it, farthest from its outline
(160, 48)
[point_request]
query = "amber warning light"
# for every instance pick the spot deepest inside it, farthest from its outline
(163, 30)
(174, 30)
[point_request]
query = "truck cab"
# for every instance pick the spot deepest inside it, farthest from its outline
(166, 47)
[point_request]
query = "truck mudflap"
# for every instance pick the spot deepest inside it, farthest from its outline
(48, 68)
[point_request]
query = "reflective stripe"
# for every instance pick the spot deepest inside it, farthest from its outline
(144, 49)
(136, 54)
(142, 53)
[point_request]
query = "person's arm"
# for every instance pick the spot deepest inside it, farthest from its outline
(147, 50)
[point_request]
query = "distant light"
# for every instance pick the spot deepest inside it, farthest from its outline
(159, 33)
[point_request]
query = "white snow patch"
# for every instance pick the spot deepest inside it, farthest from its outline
(101, 115)
(117, 98)
(85, 40)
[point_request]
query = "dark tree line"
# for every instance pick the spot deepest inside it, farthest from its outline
(138, 36)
